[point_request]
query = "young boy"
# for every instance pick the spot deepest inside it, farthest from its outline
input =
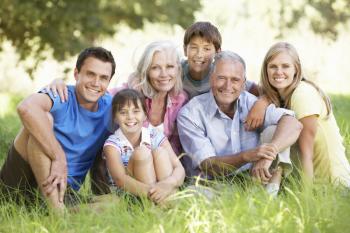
(202, 41)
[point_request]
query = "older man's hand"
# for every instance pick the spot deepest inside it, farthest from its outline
(261, 171)
(265, 151)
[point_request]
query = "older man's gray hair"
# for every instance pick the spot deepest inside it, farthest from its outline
(231, 56)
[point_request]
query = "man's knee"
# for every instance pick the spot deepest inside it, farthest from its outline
(267, 134)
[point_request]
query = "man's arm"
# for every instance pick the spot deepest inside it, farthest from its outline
(223, 165)
(287, 132)
(33, 112)
(197, 145)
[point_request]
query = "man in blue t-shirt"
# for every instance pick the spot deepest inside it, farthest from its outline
(60, 139)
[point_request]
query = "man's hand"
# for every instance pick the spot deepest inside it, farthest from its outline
(261, 171)
(160, 191)
(265, 151)
(57, 178)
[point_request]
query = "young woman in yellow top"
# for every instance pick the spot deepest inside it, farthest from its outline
(320, 148)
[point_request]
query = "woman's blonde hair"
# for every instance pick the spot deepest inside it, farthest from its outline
(271, 92)
(139, 79)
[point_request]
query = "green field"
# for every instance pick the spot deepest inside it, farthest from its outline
(239, 208)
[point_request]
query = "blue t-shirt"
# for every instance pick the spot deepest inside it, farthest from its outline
(80, 132)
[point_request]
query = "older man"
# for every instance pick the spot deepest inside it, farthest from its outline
(212, 131)
(59, 140)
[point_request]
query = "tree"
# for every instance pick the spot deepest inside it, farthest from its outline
(67, 26)
(325, 17)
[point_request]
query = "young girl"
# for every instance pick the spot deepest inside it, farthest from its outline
(322, 154)
(140, 160)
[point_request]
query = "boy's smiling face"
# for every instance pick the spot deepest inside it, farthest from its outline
(200, 53)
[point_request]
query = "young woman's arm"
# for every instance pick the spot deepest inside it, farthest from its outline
(162, 189)
(306, 144)
(256, 115)
(119, 175)
(254, 89)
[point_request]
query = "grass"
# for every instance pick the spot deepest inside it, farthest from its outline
(239, 208)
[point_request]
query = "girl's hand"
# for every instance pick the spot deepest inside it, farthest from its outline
(160, 191)
(58, 86)
(256, 115)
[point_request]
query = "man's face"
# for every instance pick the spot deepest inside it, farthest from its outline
(227, 82)
(92, 82)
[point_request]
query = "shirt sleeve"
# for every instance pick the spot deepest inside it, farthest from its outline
(113, 141)
(273, 115)
(157, 138)
(193, 137)
(58, 109)
(306, 101)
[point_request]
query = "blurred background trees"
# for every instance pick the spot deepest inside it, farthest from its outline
(67, 26)
(40, 38)
(325, 17)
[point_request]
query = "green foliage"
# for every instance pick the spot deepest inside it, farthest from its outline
(325, 17)
(67, 26)
(237, 209)
(341, 106)
(9, 125)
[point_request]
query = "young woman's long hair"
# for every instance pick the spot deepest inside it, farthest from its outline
(271, 92)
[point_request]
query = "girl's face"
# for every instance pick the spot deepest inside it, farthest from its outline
(281, 71)
(163, 71)
(130, 118)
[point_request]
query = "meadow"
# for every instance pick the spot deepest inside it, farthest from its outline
(236, 208)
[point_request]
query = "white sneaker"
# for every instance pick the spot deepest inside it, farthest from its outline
(272, 189)
(207, 192)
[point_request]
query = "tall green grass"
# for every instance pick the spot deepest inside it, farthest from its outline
(238, 208)
(9, 122)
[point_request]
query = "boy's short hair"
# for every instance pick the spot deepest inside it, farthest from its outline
(205, 30)
(96, 52)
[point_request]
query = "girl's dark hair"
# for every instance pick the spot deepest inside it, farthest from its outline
(126, 96)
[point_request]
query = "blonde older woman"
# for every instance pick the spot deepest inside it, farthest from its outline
(158, 77)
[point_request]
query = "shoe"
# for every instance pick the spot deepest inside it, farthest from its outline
(207, 192)
(272, 189)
